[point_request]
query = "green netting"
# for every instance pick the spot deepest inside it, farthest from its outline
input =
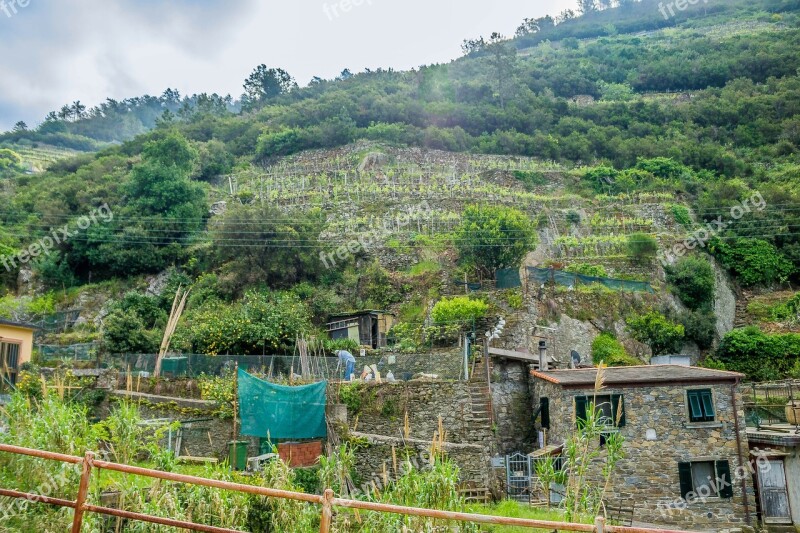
(539, 276)
(508, 278)
(280, 412)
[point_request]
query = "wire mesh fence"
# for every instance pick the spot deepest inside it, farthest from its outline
(510, 278)
(442, 365)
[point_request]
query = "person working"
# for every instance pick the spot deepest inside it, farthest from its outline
(349, 362)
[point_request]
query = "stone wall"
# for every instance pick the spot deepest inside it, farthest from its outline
(658, 435)
(512, 403)
(374, 459)
(383, 408)
(203, 434)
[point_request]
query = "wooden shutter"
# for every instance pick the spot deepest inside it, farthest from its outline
(685, 474)
(724, 479)
(708, 404)
(695, 407)
(544, 407)
(580, 409)
(618, 406)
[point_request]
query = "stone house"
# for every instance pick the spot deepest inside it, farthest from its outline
(686, 458)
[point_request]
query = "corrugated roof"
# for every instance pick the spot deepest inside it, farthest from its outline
(629, 375)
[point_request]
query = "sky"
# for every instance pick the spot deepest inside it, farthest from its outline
(54, 52)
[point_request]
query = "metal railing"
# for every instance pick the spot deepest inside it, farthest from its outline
(771, 403)
(327, 501)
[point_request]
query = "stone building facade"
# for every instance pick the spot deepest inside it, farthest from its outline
(681, 426)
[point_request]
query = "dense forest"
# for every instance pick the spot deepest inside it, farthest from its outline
(701, 108)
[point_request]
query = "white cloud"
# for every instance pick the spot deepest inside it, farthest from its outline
(54, 52)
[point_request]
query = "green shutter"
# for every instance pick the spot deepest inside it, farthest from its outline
(708, 404)
(618, 406)
(544, 406)
(724, 480)
(580, 409)
(695, 407)
(685, 474)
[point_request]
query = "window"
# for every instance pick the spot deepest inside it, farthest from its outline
(9, 364)
(705, 479)
(544, 410)
(610, 409)
(701, 405)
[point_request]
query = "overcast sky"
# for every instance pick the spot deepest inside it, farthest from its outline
(53, 52)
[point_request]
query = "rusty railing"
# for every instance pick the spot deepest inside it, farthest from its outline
(327, 500)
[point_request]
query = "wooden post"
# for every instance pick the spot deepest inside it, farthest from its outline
(327, 512)
(488, 379)
(83, 489)
(235, 400)
(599, 524)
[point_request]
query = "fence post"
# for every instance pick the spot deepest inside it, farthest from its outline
(83, 489)
(599, 524)
(327, 512)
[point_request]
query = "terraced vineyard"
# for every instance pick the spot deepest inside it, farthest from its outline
(37, 159)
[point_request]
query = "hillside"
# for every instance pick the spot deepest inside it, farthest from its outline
(612, 145)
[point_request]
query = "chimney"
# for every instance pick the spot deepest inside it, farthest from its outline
(543, 355)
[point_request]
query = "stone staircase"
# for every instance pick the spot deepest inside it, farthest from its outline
(479, 403)
(740, 319)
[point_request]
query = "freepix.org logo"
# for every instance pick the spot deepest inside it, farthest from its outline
(57, 236)
(12, 7)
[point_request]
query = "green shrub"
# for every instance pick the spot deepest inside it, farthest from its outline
(606, 348)
(462, 309)
(762, 357)
(655, 330)
(753, 261)
(694, 282)
(681, 214)
(493, 237)
(642, 247)
(588, 269)
(700, 327)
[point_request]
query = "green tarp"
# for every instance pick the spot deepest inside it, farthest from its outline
(280, 412)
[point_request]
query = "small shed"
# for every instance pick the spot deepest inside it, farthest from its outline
(368, 327)
(16, 345)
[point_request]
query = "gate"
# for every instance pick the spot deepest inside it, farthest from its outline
(518, 477)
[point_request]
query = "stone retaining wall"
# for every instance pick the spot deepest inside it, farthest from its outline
(375, 457)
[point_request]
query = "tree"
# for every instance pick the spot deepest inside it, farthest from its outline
(503, 60)
(527, 27)
(20, 127)
(655, 330)
(345, 75)
(473, 45)
(642, 247)
(694, 282)
(264, 84)
(587, 6)
(492, 237)
(78, 110)
(262, 245)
